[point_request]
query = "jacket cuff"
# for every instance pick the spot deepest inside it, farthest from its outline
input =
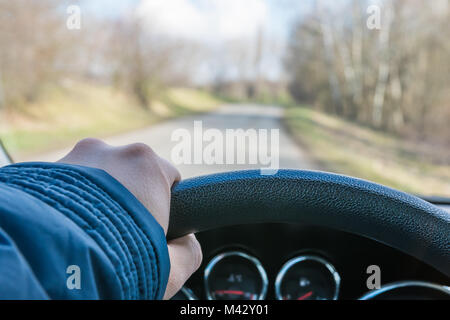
(129, 235)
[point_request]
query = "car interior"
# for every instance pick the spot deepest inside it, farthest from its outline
(356, 94)
(285, 250)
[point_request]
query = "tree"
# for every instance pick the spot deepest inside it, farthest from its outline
(395, 78)
(33, 44)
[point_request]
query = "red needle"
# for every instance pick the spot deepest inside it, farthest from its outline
(305, 296)
(236, 292)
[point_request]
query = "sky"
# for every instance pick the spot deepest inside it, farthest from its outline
(203, 19)
(214, 23)
(107, 8)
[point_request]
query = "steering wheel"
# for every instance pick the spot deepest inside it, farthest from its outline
(394, 218)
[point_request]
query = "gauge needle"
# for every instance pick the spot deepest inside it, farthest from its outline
(305, 296)
(235, 292)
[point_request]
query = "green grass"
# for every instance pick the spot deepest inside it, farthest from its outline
(64, 115)
(347, 148)
(184, 101)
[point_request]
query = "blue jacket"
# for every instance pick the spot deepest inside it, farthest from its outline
(72, 232)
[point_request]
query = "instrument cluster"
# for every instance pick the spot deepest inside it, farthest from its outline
(237, 275)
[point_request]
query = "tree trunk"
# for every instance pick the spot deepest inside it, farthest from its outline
(383, 68)
(330, 61)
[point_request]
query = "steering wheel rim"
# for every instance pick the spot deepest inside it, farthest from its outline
(397, 219)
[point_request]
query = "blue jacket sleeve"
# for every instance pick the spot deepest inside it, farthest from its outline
(72, 232)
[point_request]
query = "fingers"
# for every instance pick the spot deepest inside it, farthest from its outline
(185, 258)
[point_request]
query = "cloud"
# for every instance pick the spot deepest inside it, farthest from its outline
(208, 20)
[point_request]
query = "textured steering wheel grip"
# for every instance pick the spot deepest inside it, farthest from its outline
(394, 218)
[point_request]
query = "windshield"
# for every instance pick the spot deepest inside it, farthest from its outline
(354, 87)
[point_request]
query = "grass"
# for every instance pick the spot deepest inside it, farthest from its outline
(348, 148)
(64, 115)
(183, 101)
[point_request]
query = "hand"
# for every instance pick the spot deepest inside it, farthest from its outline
(149, 178)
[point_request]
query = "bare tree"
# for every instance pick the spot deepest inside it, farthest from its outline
(32, 42)
(145, 62)
(396, 78)
(383, 66)
(329, 57)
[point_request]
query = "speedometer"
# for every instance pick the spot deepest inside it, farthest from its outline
(307, 277)
(235, 275)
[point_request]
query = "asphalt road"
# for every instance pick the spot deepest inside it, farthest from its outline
(242, 116)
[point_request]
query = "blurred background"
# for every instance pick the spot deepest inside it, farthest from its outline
(358, 100)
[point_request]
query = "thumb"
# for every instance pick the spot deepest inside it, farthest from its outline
(185, 258)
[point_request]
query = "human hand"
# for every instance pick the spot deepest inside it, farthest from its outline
(149, 178)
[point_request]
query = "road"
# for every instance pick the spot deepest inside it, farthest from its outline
(238, 116)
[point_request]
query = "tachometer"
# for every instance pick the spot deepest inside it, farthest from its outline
(235, 275)
(307, 278)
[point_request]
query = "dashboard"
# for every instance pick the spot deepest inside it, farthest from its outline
(299, 262)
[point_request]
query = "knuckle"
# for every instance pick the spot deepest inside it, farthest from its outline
(139, 150)
(175, 173)
(88, 143)
(172, 172)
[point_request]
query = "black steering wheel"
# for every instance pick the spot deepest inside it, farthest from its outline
(394, 218)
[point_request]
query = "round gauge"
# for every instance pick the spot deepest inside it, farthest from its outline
(235, 276)
(184, 294)
(409, 290)
(307, 278)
